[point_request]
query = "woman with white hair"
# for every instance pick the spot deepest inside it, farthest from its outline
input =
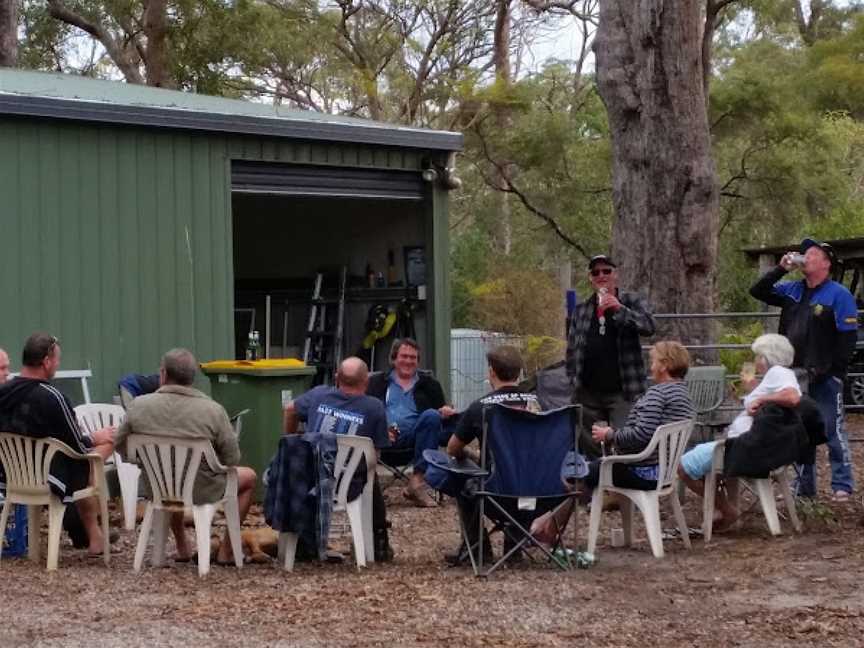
(773, 357)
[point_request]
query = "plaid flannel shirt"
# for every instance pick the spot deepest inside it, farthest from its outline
(633, 319)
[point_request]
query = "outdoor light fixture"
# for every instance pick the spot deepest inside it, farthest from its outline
(445, 174)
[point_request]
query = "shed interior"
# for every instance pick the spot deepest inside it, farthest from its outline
(281, 242)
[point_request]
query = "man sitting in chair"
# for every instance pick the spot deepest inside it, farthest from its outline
(505, 367)
(346, 409)
(177, 409)
(30, 405)
(774, 355)
(416, 412)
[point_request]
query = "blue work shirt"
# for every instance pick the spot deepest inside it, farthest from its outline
(400, 405)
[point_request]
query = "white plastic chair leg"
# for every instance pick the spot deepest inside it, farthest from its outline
(680, 520)
(788, 498)
(143, 537)
(594, 522)
(232, 520)
(649, 505)
(287, 550)
(765, 490)
(160, 537)
(355, 518)
(4, 517)
(56, 509)
(203, 517)
(368, 532)
(128, 475)
(34, 532)
(626, 507)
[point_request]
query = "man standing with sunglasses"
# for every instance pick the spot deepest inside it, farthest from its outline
(604, 355)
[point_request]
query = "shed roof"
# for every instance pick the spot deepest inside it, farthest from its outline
(851, 248)
(77, 98)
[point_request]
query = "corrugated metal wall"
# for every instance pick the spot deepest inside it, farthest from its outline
(115, 240)
(118, 240)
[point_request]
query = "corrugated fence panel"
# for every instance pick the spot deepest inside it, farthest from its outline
(118, 241)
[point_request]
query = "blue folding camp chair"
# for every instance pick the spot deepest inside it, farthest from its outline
(522, 454)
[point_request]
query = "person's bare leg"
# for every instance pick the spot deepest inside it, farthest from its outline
(178, 528)
(695, 485)
(727, 499)
(88, 509)
(245, 488)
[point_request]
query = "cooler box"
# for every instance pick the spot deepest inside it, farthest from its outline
(262, 386)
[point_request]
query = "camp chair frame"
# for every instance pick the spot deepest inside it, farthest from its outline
(508, 524)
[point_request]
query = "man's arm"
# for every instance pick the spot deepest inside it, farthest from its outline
(635, 314)
(290, 419)
(764, 290)
(456, 447)
(226, 445)
(786, 397)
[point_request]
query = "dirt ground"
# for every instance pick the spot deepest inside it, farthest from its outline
(744, 589)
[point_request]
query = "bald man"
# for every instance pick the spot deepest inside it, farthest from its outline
(346, 409)
(4, 366)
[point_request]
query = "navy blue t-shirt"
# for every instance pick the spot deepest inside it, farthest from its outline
(326, 409)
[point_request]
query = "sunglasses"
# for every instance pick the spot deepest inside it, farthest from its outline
(54, 342)
(598, 271)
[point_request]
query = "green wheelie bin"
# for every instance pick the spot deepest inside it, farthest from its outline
(262, 387)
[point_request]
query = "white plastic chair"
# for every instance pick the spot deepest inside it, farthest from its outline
(171, 465)
(359, 510)
(26, 462)
(669, 440)
(763, 488)
(94, 417)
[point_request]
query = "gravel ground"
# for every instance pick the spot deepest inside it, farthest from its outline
(744, 589)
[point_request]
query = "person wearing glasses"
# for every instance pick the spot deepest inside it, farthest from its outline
(30, 405)
(604, 355)
(820, 318)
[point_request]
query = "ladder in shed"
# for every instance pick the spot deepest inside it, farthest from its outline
(323, 344)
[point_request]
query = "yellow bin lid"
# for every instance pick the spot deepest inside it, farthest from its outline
(270, 367)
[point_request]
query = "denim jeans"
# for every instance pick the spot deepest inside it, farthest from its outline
(828, 394)
(428, 433)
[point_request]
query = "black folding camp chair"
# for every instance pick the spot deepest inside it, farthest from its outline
(520, 477)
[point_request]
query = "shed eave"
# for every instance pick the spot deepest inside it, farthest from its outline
(172, 118)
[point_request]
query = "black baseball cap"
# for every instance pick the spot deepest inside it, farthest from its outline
(601, 258)
(807, 243)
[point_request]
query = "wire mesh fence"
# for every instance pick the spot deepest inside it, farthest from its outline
(468, 368)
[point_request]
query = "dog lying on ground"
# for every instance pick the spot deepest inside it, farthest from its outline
(259, 545)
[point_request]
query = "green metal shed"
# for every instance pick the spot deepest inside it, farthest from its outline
(137, 219)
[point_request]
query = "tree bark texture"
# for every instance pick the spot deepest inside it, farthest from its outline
(8, 33)
(665, 194)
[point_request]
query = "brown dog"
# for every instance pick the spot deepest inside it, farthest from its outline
(259, 545)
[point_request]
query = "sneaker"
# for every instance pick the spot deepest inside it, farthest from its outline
(841, 496)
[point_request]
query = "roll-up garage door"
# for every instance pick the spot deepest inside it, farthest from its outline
(306, 180)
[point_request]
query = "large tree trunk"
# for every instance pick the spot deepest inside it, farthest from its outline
(503, 233)
(156, 29)
(8, 33)
(649, 73)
